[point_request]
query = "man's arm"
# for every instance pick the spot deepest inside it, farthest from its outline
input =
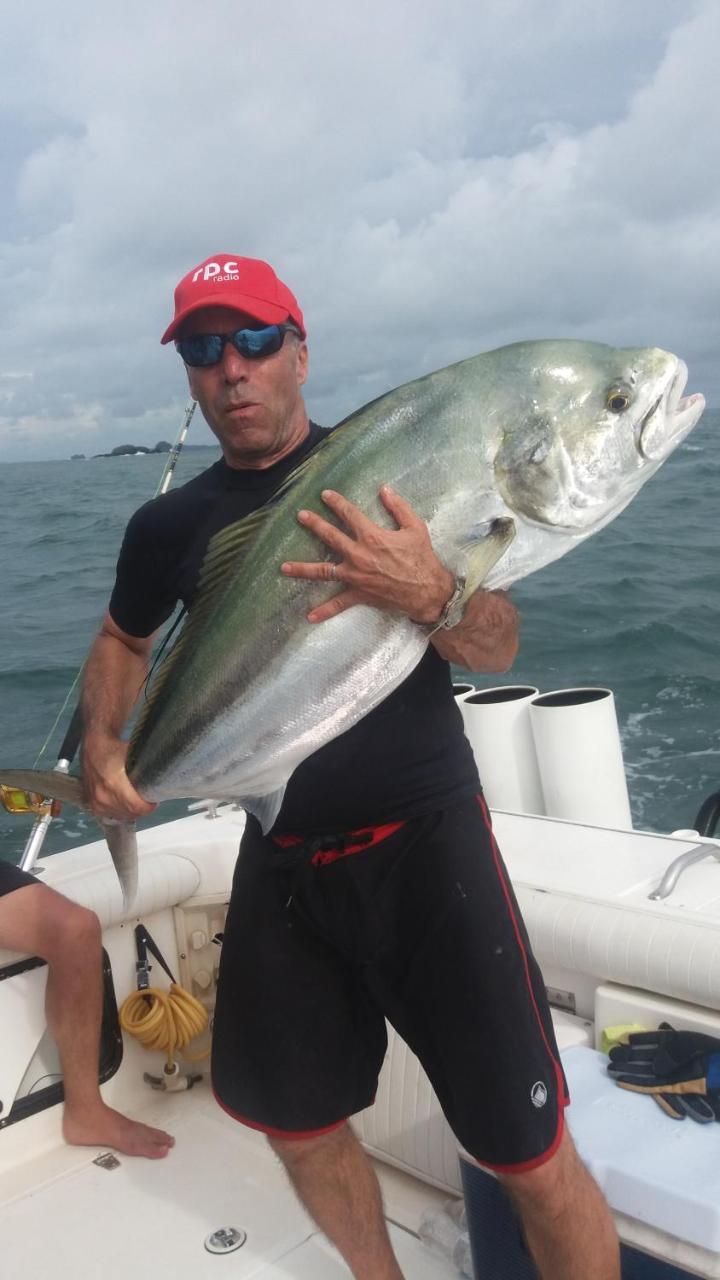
(487, 638)
(114, 674)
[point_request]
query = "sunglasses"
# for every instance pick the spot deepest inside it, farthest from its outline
(205, 349)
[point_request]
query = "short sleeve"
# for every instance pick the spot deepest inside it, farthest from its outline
(144, 595)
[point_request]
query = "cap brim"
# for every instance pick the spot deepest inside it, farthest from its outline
(266, 311)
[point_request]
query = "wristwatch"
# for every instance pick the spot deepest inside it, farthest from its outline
(453, 609)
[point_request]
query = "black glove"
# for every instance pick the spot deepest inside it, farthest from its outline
(679, 1069)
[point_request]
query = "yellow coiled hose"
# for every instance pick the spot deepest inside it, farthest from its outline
(165, 1020)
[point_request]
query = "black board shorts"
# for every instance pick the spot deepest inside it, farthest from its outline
(11, 877)
(415, 922)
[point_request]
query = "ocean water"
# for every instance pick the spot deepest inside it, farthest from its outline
(635, 608)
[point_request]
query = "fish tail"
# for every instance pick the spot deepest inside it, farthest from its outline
(122, 842)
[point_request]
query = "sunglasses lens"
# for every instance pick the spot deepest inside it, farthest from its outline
(205, 349)
(201, 350)
(254, 343)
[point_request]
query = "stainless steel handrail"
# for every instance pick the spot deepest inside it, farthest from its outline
(708, 849)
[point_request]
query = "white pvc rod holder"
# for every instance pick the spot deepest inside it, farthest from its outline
(461, 689)
(497, 725)
(577, 742)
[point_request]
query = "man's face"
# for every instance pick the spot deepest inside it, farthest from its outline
(254, 407)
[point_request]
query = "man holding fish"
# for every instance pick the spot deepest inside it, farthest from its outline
(370, 886)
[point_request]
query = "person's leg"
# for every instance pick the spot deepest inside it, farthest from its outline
(466, 993)
(567, 1224)
(36, 920)
(297, 1045)
(337, 1185)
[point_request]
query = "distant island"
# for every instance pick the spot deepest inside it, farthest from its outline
(125, 450)
(133, 450)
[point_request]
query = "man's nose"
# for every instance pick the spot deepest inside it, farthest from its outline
(235, 368)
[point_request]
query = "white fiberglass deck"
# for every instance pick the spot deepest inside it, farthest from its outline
(148, 1218)
(601, 942)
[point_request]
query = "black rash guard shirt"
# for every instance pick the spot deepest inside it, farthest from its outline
(407, 757)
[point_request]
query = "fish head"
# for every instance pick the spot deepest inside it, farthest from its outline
(596, 423)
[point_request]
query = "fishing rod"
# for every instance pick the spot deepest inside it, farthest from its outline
(15, 801)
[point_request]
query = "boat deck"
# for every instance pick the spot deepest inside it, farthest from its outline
(616, 955)
(65, 1216)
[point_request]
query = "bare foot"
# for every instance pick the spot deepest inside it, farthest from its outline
(104, 1127)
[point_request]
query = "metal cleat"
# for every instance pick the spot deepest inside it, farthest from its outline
(172, 1081)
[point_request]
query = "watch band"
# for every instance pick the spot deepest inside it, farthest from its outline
(454, 608)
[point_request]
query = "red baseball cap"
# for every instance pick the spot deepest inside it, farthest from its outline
(245, 284)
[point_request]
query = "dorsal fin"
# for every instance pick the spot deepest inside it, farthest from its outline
(152, 696)
(230, 545)
(224, 551)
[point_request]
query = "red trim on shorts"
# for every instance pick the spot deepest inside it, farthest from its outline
(277, 1133)
(563, 1098)
(371, 836)
(525, 1166)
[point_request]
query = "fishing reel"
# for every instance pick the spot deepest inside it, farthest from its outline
(15, 801)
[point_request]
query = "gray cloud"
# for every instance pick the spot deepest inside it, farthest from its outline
(431, 179)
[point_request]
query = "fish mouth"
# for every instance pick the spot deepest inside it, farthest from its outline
(670, 418)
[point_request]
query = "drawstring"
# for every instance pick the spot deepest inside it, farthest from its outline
(300, 855)
(319, 850)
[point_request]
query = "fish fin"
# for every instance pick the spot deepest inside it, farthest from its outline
(265, 808)
(153, 696)
(487, 544)
(224, 551)
(231, 543)
(222, 555)
(122, 842)
(52, 783)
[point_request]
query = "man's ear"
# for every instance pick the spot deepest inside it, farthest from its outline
(303, 362)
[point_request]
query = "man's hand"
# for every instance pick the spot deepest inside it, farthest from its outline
(108, 791)
(394, 569)
(114, 673)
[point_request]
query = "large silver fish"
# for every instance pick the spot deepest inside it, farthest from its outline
(512, 458)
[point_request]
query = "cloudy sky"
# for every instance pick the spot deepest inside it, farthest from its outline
(432, 178)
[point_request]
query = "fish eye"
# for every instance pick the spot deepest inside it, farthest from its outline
(617, 400)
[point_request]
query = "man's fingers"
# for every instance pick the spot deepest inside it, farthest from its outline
(120, 810)
(404, 515)
(144, 806)
(328, 533)
(317, 571)
(401, 511)
(331, 608)
(352, 516)
(123, 803)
